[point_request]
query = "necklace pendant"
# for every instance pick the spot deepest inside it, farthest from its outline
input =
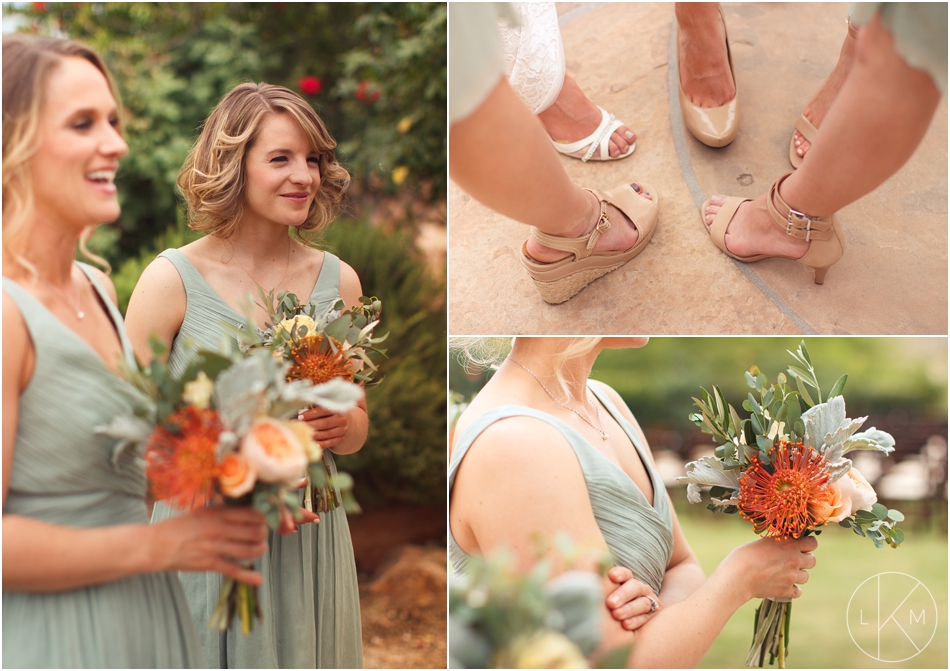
(604, 437)
(80, 314)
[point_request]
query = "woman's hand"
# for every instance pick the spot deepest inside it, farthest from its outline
(633, 602)
(288, 524)
(329, 428)
(771, 569)
(212, 539)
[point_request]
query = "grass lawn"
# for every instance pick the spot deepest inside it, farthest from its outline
(819, 629)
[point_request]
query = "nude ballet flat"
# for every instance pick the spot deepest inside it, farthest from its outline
(713, 126)
(824, 233)
(558, 281)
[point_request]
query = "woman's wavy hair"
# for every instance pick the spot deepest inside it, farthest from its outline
(213, 177)
(479, 354)
(28, 62)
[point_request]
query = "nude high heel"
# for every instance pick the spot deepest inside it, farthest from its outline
(824, 233)
(713, 126)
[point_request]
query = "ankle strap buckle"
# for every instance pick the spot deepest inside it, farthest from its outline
(790, 225)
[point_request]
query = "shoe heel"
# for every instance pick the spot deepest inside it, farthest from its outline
(820, 274)
(561, 290)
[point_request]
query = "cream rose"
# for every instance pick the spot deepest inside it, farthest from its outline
(305, 435)
(291, 325)
(274, 450)
(237, 476)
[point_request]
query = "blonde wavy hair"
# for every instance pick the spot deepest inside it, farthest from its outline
(480, 354)
(28, 62)
(213, 177)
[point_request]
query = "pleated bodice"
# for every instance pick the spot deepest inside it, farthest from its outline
(310, 595)
(639, 535)
(63, 473)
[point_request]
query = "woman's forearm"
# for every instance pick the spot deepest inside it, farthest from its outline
(681, 634)
(356, 431)
(680, 581)
(43, 557)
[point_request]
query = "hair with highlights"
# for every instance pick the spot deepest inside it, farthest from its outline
(214, 175)
(28, 62)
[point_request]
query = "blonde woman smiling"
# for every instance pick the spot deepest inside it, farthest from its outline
(86, 581)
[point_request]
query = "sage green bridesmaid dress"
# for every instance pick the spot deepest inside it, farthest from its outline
(310, 597)
(639, 535)
(64, 474)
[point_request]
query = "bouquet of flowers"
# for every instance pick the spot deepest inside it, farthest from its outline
(221, 433)
(501, 618)
(336, 345)
(319, 348)
(784, 469)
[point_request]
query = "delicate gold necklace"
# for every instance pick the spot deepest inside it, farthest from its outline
(281, 281)
(598, 429)
(78, 309)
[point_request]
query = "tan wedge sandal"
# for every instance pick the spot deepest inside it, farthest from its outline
(561, 280)
(824, 233)
(805, 127)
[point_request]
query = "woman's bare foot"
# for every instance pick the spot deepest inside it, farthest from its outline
(703, 59)
(573, 117)
(821, 102)
(622, 234)
(752, 230)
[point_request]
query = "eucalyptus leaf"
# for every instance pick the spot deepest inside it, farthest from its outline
(895, 515)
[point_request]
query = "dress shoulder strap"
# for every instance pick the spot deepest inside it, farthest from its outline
(190, 276)
(326, 291)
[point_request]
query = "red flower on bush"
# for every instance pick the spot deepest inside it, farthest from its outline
(366, 92)
(310, 86)
(39, 6)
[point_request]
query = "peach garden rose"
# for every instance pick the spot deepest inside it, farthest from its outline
(274, 450)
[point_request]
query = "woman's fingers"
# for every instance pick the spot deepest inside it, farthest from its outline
(808, 544)
(309, 517)
(628, 591)
(640, 606)
(239, 573)
(808, 560)
(620, 574)
(236, 550)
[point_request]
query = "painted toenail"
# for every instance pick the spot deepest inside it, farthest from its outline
(636, 187)
(629, 136)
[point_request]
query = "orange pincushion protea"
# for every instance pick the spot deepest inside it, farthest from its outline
(316, 359)
(779, 498)
(183, 466)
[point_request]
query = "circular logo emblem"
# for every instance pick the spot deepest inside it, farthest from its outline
(892, 617)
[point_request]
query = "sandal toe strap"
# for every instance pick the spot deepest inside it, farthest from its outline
(601, 137)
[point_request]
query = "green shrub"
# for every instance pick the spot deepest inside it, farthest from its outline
(404, 458)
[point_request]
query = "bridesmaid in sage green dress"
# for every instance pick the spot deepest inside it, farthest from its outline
(263, 165)
(569, 456)
(87, 582)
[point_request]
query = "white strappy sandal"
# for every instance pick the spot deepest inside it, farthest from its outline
(586, 149)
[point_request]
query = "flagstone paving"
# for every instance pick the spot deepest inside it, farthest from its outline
(892, 279)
